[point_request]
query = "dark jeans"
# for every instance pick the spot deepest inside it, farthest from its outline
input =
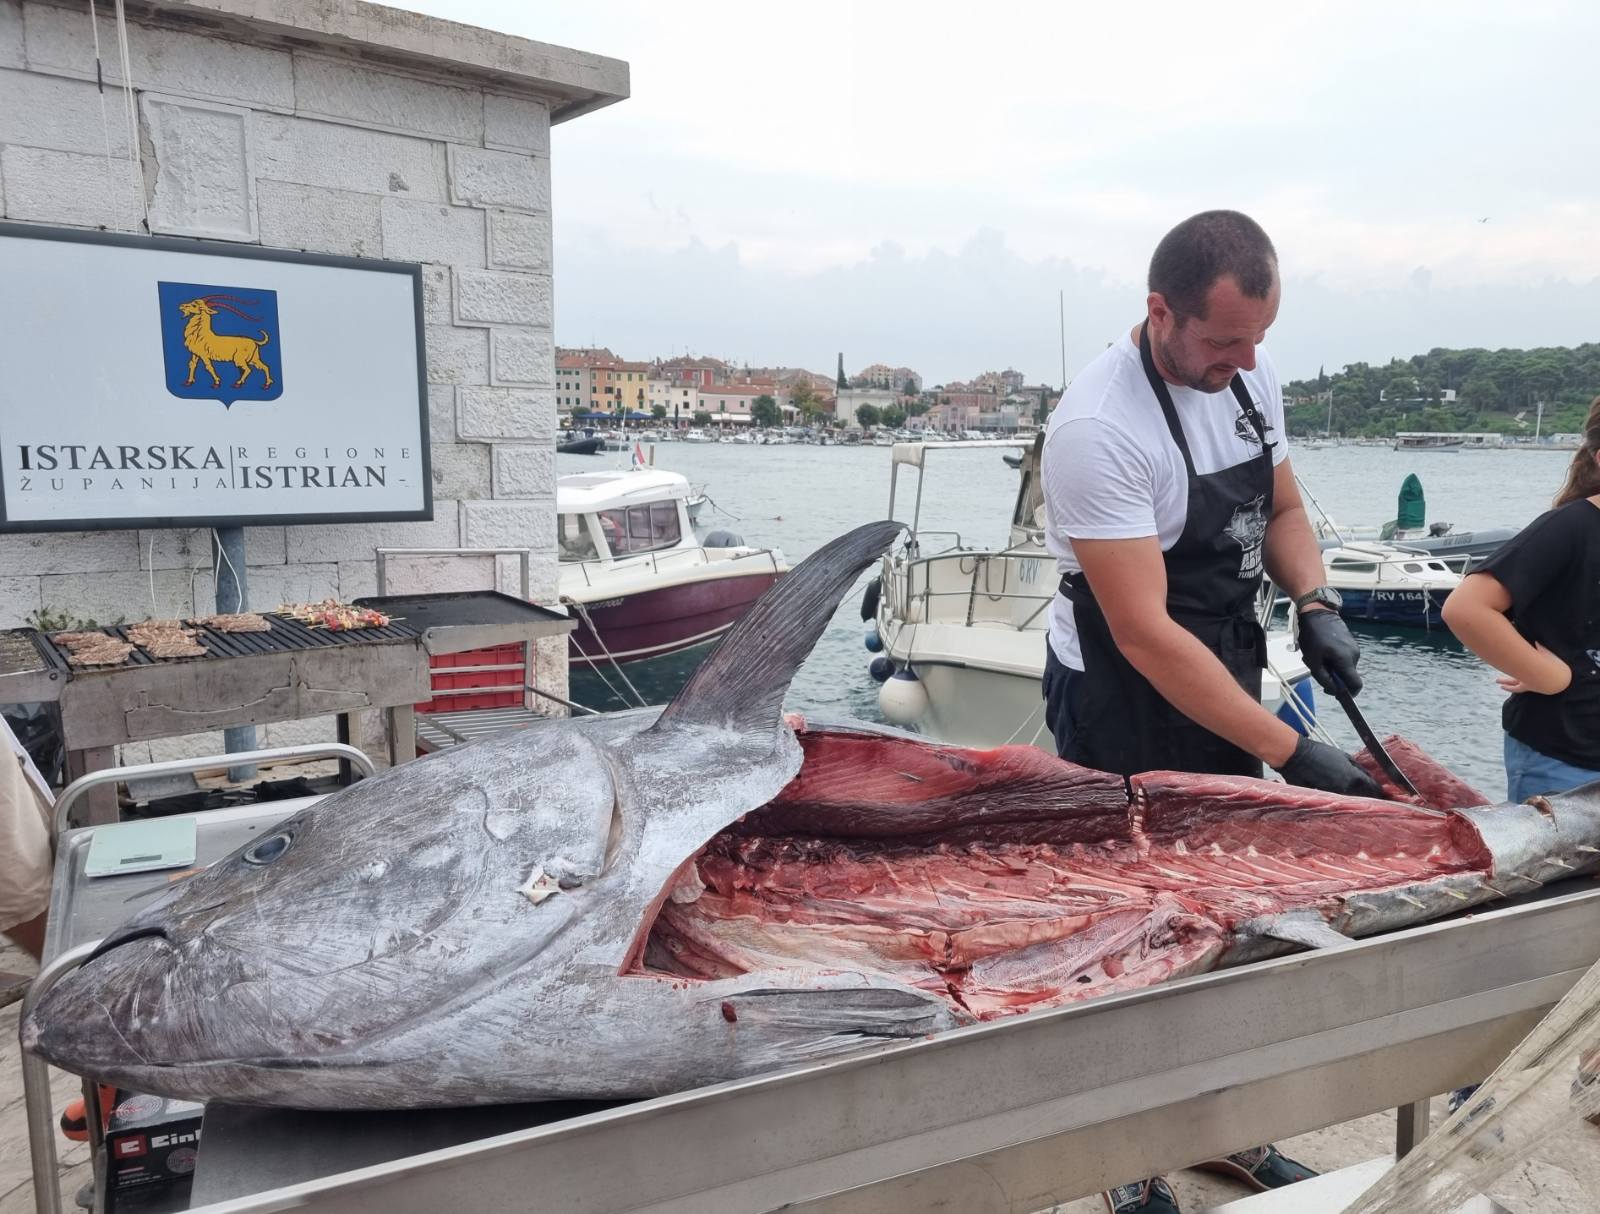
(1059, 686)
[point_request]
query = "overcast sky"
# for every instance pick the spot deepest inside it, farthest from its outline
(913, 183)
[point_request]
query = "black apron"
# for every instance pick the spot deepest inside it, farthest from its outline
(1123, 724)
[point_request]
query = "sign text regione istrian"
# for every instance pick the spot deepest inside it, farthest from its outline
(216, 392)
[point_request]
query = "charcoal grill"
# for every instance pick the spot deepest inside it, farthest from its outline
(290, 672)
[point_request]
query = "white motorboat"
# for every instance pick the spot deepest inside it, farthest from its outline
(641, 584)
(697, 436)
(964, 630)
(1386, 584)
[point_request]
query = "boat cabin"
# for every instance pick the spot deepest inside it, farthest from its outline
(606, 515)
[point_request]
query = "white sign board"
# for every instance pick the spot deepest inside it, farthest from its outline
(149, 383)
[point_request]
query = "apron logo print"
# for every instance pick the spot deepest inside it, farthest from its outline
(1248, 529)
(1245, 432)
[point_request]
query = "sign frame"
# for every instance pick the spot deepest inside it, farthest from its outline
(220, 248)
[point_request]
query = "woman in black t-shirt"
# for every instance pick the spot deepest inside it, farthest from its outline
(1532, 611)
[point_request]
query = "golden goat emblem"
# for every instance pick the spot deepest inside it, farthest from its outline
(207, 346)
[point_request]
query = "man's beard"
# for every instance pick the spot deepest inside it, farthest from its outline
(1188, 376)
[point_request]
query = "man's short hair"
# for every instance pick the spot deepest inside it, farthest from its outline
(1204, 248)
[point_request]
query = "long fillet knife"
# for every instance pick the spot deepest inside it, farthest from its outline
(1370, 739)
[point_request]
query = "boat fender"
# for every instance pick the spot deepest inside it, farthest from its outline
(724, 539)
(880, 668)
(903, 699)
(869, 598)
(872, 640)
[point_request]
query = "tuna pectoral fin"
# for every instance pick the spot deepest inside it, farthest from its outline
(1305, 928)
(741, 685)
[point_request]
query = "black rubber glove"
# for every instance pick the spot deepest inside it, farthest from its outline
(1329, 649)
(1318, 765)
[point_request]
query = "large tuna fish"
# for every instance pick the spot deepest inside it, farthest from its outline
(619, 907)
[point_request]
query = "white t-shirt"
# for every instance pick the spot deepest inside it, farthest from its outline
(1113, 472)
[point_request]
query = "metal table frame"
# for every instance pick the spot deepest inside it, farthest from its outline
(63, 955)
(1011, 1116)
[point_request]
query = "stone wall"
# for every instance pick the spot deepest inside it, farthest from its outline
(247, 136)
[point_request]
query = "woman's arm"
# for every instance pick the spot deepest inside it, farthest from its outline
(1476, 613)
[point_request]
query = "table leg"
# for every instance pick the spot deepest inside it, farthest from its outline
(1411, 1126)
(100, 804)
(402, 734)
(343, 723)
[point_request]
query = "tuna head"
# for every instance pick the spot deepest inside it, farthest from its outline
(347, 924)
(449, 930)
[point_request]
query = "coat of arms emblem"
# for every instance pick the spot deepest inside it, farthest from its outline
(220, 343)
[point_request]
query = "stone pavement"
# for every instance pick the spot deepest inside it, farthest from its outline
(1564, 1178)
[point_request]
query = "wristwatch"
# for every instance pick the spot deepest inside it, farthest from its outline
(1324, 596)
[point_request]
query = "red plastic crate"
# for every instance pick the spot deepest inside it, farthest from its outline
(476, 688)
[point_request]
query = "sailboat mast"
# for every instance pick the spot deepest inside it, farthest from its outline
(1062, 300)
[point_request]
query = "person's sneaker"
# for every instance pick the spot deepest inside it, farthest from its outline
(1142, 1197)
(1261, 1168)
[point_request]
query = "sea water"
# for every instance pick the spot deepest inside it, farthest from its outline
(1420, 684)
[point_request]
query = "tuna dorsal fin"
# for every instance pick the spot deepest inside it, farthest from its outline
(741, 684)
(1304, 927)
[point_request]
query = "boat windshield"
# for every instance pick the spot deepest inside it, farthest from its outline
(573, 539)
(646, 528)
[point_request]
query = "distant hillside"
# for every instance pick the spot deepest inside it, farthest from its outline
(1492, 388)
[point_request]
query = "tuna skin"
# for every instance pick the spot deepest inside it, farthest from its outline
(627, 906)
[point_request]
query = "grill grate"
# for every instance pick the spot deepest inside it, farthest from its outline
(284, 636)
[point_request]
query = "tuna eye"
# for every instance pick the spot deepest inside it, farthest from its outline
(265, 851)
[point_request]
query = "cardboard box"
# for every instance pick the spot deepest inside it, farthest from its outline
(151, 1144)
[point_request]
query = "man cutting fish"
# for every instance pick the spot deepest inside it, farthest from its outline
(1168, 491)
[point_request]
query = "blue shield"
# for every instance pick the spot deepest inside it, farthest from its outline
(220, 343)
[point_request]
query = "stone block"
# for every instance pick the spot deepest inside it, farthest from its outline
(550, 673)
(305, 732)
(518, 241)
(456, 356)
(460, 470)
(271, 586)
(441, 413)
(357, 579)
(525, 470)
(190, 548)
(492, 297)
(69, 552)
(127, 596)
(346, 92)
(432, 231)
(68, 188)
(437, 308)
(506, 413)
(438, 574)
(315, 543)
(11, 34)
(319, 220)
(509, 525)
(309, 152)
(521, 356)
(163, 60)
(516, 124)
(19, 596)
(483, 178)
(53, 112)
(204, 183)
(542, 576)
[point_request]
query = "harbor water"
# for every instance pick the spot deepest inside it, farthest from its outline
(1418, 683)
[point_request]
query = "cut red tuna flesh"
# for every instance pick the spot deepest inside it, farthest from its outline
(1006, 880)
(1440, 787)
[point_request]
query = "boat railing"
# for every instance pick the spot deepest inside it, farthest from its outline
(1005, 588)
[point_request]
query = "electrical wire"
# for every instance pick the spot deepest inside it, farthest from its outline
(132, 112)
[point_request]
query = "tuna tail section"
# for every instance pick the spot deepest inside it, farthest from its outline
(741, 685)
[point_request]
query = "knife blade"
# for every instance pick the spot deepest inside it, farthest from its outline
(1370, 739)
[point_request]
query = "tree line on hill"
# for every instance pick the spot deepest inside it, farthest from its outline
(1496, 391)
